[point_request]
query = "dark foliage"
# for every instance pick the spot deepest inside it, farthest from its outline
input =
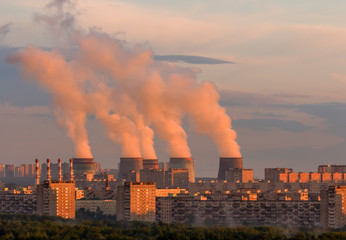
(98, 226)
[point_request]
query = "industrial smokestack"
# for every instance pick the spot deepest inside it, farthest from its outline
(150, 163)
(71, 169)
(37, 172)
(59, 170)
(48, 170)
(226, 164)
(186, 163)
(127, 165)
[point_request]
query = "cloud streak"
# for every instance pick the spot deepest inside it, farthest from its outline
(4, 30)
(191, 59)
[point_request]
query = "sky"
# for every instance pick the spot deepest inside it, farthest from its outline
(279, 67)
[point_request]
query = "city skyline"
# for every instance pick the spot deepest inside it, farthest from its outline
(282, 83)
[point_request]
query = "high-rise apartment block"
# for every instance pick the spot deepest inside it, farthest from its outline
(56, 198)
(136, 201)
(333, 207)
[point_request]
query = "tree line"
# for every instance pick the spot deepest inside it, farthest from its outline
(43, 227)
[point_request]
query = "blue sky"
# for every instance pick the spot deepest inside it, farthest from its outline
(285, 93)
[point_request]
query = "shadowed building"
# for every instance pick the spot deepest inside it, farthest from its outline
(226, 164)
(239, 175)
(128, 166)
(184, 163)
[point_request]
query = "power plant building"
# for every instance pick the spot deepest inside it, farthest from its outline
(128, 166)
(83, 166)
(150, 163)
(226, 164)
(184, 163)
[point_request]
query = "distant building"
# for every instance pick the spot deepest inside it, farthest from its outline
(164, 166)
(153, 175)
(19, 171)
(332, 168)
(9, 170)
(56, 198)
(333, 207)
(136, 202)
(177, 178)
(2, 170)
(239, 175)
(273, 174)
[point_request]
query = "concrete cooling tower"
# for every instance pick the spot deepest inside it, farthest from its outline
(83, 165)
(187, 163)
(128, 165)
(150, 163)
(227, 163)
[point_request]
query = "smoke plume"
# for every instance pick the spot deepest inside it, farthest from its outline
(129, 92)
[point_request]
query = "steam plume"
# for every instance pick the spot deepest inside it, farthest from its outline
(129, 92)
(50, 70)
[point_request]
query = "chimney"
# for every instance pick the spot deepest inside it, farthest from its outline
(107, 183)
(59, 170)
(37, 172)
(71, 169)
(48, 169)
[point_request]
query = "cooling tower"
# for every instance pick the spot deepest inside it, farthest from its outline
(150, 163)
(127, 165)
(227, 163)
(83, 165)
(187, 163)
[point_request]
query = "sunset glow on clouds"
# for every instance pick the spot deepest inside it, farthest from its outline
(285, 92)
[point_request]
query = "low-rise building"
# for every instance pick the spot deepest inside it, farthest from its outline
(106, 206)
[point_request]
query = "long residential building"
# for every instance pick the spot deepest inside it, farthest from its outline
(18, 202)
(225, 209)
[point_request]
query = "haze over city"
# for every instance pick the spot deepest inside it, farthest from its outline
(278, 67)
